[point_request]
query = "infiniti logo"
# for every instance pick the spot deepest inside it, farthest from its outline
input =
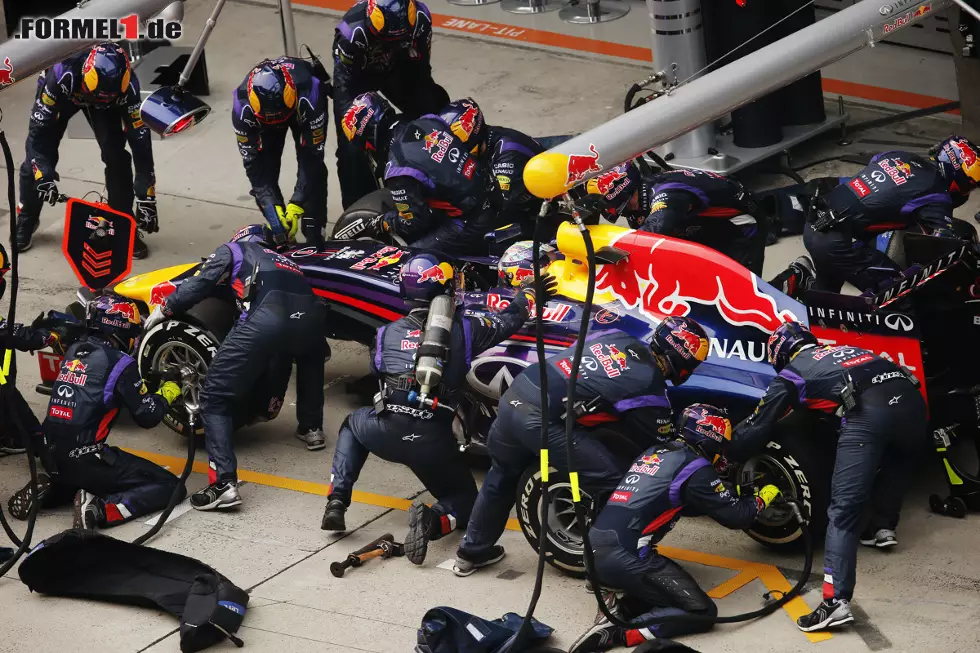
(634, 478)
(66, 391)
(898, 322)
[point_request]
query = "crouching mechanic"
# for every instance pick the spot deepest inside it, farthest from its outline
(100, 84)
(400, 428)
(882, 428)
(280, 316)
(99, 376)
(438, 187)
(663, 484)
(897, 190)
(384, 46)
(281, 96)
(628, 385)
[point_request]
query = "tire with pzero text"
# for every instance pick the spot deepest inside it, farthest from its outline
(564, 537)
(800, 462)
(183, 343)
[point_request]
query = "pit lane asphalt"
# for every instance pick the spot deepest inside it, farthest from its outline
(921, 597)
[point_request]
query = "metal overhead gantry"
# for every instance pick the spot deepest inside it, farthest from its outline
(689, 105)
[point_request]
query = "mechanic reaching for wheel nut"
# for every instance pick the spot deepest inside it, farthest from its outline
(628, 384)
(883, 425)
(401, 427)
(280, 316)
(99, 83)
(384, 46)
(438, 187)
(897, 190)
(99, 376)
(281, 96)
(663, 484)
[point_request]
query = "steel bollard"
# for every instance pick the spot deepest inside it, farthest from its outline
(590, 11)
(471, 3)
(528, 6)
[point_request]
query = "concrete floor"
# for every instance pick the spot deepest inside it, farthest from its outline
(921, 597)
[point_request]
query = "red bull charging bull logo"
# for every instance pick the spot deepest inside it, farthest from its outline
(613, 361)
(442, 273)
(898, 170)
(127, 310)
(607, 184)
(6, 73)
(160, 292)
(691, 344)
(658, 278)
(648, 465)
(467, 124)
(581, 166)
(351, 123)
(714, 426)
(381, 259)
(73, 372)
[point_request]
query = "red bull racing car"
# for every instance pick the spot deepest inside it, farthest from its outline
(641, 278)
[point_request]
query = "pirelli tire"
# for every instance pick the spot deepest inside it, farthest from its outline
(191, 340)
(800, 461)
(354, 222)
(563, 536)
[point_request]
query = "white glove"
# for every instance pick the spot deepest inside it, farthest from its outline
(156, 317)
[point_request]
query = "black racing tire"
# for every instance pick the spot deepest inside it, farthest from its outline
(564, 538)
(800, 461)
(352, 224)
(193, 339)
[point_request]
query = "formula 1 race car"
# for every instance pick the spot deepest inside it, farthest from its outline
(641, 278)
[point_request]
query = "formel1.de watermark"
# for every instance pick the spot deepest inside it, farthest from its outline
(104, 29)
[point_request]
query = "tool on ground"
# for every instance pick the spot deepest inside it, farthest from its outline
(384, 547)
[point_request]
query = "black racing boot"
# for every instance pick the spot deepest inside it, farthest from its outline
(220, 495)
(26, 226)
(333, 516)
(22, 501)
(140, 250)
(88, 511)
(423, 526)
(601, 637)
(830, 613)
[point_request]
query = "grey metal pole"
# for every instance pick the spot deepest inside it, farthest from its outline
(188, 70)
(528, 6)
(288, 28)
(968, 9)
(24, 57)
(678, 38)
(589, 12)
(717, 93)
(471, 3)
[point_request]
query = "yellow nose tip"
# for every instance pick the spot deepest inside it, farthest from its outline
(546, 173)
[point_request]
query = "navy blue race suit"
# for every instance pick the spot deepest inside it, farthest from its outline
(438, 187)
(115, 124)
(95, 381)
(403, 432)
(508, 151)
(897, 190)
(281, 321)
(22, 338)
(261, 147)
(883, 431)
(619, 384)
(699, 206)
(399, 69)
(661, 486)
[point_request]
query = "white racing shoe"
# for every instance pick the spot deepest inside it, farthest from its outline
(314, 439)
(830, 613)
(217, 496)
(883, 538)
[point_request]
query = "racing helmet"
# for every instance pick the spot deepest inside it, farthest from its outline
(958, 157)
(705, 428)
(4, 269)
(425, 276)
(271, 92)
(105, 73)
(465, 120)
(367, 120)
(785, 341)
(682, 343)
(516, 266)
(391, 20)
(116, 317)
(617, 187)
(254, 233)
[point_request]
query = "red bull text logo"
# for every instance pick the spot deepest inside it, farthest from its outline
(126, 310)
(648, 465)
(382, 258)
(903, 21)
(899, 171)
(437, 144)
(73, 372)
(160, 292)
(551, 313)
(609, 366)
(618, 356)
(350, 123)
(715, 427)
(660, 281)
(581, 166)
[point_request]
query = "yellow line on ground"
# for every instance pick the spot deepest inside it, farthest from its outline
(770, 576)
